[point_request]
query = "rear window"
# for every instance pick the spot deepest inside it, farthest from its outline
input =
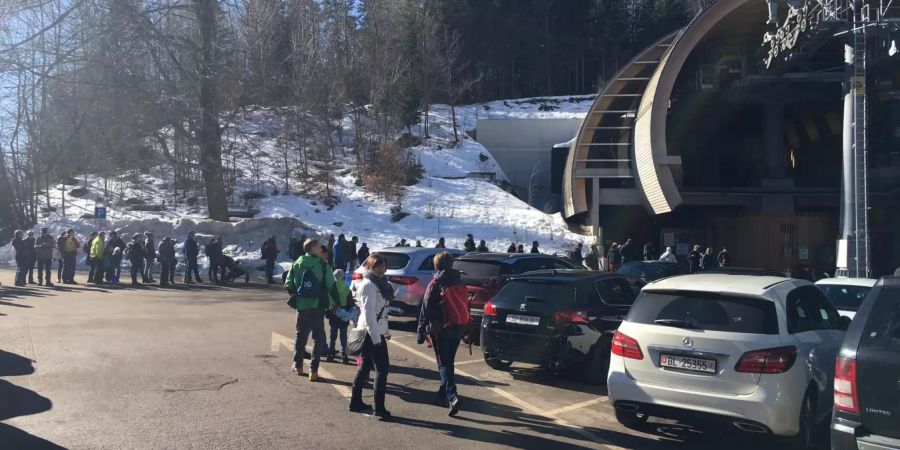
(650, 272)
(478, 269)
(847, 298)
(395, 261)
(616, 291)
(511, 295)
(705, 311)
(882, 329)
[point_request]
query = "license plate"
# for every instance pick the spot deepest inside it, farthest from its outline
(523, 320)
(688, 363)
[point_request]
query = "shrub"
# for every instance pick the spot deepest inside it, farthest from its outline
(253, 195)
(79, 192)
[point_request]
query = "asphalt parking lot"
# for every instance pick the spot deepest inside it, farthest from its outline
(209, 367)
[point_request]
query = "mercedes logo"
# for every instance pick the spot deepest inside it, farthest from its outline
(688, 342)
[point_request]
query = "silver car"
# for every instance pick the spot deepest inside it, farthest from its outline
(409, 269)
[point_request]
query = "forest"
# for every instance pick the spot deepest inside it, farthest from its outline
(113, 87)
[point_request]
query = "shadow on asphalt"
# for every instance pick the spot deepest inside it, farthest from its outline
(17, 401)
(14, 292)
(509, 416)
(571, 380)
(432, 374)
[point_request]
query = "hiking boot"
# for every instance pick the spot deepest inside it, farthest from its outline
(454, 407)
(313, 376)
(345, 359)
(49, 284)
(330, 358)
(382, 414)
(297, 369)
(360, 407)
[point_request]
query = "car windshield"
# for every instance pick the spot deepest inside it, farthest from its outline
(478, 269)
(845, 297)
(395, 261)
(649, 272)
(705, 311)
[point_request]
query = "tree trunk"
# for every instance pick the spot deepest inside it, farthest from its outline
(209, 133)
(453, 118)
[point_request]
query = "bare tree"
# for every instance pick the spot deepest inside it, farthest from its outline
(453, 74)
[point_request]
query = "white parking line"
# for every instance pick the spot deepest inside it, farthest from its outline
(575, 406)
(525, 406)
(459, 363)
(279, 340)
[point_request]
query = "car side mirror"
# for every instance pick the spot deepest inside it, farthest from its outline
(845, 323)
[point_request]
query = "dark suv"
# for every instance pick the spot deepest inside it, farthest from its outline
(560, 320)
(485, 273)
(867, 374)
(650, 270)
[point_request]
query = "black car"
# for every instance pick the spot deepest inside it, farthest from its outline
(559, 319)
(746, 271)
(485, 273)
(651, 270)
(867, 375)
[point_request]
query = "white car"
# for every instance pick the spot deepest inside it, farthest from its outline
(846, 294)
(752, 352)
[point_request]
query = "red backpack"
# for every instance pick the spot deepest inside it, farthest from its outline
(455, 305)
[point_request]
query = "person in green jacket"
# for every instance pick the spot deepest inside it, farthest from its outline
(96, 258)
(313, 292)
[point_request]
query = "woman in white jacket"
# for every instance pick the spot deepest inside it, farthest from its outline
(372, 294)
(668, 256)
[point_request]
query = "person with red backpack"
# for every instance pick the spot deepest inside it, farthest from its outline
(443, 321)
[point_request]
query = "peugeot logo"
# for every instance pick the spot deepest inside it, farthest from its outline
(522, 307)
(688, 342)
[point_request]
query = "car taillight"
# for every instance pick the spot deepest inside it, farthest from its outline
(770, 360)
(846, 397)
(490, 309)
(573, 316)
(402, 280)
(356, 276)
(626, 346)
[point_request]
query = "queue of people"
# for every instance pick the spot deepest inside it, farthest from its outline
(105, 252)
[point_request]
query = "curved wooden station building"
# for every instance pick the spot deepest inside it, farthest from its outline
(767, 128)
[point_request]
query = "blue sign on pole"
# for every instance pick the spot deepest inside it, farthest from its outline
(100, 212)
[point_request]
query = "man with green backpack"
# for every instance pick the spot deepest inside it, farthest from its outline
(313, 292)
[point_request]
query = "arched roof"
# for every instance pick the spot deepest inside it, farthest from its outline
(649, 95)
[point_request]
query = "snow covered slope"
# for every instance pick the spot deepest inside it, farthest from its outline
(444, 203)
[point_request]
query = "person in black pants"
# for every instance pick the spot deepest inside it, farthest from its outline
(167, 261)
(191, 251)
(269, 253)
(136, 253)
(372, 294)
(213, 251)
(60, 250)
(30, 256)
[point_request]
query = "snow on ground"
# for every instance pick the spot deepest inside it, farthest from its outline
(446, 202)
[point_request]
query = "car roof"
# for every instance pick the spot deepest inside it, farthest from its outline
(719, 282)
(566, 274)
(414, 250)
(866, 282)
(757, 271)
(502, 256)
(655, 263)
